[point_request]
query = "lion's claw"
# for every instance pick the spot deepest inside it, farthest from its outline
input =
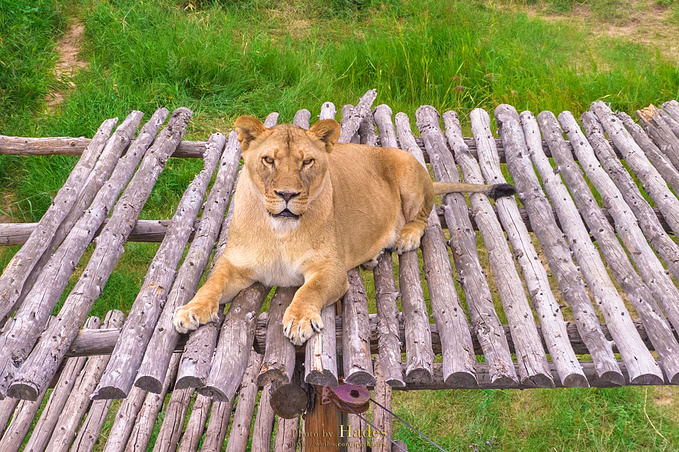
(300, 328)
(187, 318)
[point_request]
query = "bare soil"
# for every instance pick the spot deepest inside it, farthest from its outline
(68, 65)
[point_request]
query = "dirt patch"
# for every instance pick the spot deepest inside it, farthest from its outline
(68, 65)
(6, 201)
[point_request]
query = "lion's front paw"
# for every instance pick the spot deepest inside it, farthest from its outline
(189, 317)
(408, 241)
(299, 325)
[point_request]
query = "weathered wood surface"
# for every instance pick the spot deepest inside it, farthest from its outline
(173, 420)
(196, 424)
(19, 268)
(419, 353)
(140, 437)
(115, 146)
(220, 419)
(556, 250)
(321, 353)
(7, 407)
(669, 172)
(382, 418)
(354, 424)
(672, 108)
(263, 428)
(353, 117)
(661, 132)
(302, 118)
(125, 418)
(287, 435)
(165, 336)
(46, 357)
(290, 400)
(485, 324)
(641, 365)
(530, 356)
(90, 430)
(245, 408)
(651, 180)
(79, 399)
(357, 360)
(451, 319)
(235, 344)
(278, 363)
(534, 273)
(649, 222)
(385, 287)
(50, 415)
(136, 334)
(328, 111)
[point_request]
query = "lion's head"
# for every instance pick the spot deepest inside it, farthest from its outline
(286, 163)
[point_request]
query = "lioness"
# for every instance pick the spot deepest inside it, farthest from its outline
(308, 209)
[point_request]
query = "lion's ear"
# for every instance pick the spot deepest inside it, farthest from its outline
(248, 129)
(328, 131)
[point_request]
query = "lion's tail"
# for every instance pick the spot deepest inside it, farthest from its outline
(494, 191)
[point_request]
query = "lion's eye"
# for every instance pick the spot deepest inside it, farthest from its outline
(307, 162)
(268, 160)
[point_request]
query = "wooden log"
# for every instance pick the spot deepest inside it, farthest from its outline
(173, 421)
(164, 335)
(19, 268)
(271, 120)
(235, 342)
(485, 324)
(115, 146)
(290, 400)
(90, 430)
(366, 131)
(382, 418)
(328, 111)
(357, 361)
(533, 362)
(451, 318)
(79, 400)
(661, 132)
(651, 179)
(385, 288)
(672, 108)
(287, 435)
(399, 446)
(348, 112)
(654, 274)
(671, 122)
(7, 407)
(484, 382)
(45, 359)
(669, 172)
(55, 405)
(321, 353)
(220, 418)
(352, 119)
(639, 361)
(534, 273)
(125, 420)
(245, 408)
(302, 118)
(321, 426)
(149, 302)
(21, 423)
(140, 437)
(263, 428)
(354, 424)
(556, 250)
(196, 424)
(20, 334)
(649, 222)
(388, 337)
(278, 363)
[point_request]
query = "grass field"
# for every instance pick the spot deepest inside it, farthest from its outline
(227, 58)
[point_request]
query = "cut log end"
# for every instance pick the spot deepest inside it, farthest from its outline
(216, 394)
(289, 401)
(576, 381)
(189, 381)
(613, 377)
(647, 379)
(150, 384)
(539, 381)
(463, 380)
(504, 381)
(419, 375)
(24, 391)
(276, 376)
(108, 393)
(360, 378)
(321, 378)
(396, 383)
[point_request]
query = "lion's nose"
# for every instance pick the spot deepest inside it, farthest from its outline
(287, 195)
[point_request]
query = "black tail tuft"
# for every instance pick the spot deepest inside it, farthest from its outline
(500, 190)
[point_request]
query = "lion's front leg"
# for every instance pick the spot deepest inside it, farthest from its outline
(303, 317)
(224, 283)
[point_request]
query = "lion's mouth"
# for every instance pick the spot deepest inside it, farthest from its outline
(285, 213)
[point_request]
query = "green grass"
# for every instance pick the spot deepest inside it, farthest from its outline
(223, 59)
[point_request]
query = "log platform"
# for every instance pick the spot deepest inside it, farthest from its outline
(585, 260)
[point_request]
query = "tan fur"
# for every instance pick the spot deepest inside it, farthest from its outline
(352, 202)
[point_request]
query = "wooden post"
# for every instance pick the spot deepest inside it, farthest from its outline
(322, 426)
(263, 429)
(245, 408)
(287, 435)
(358, 366)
